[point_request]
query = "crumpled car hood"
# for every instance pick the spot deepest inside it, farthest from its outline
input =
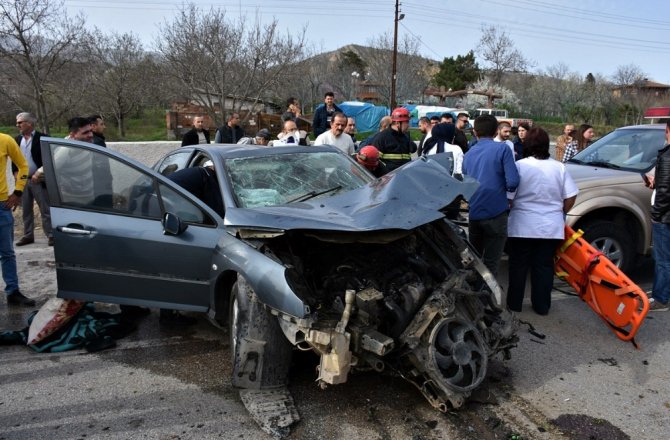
(404, 199)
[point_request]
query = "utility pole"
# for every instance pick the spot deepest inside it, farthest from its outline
(398, 17)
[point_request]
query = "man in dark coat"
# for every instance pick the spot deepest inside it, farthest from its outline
(460, 139)
(324, 114)
(394, 142)
(660, 224)
(35, 190)
(196, 135)
(98, 126)
(230, 133)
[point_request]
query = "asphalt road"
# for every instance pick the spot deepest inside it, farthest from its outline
(578, 382)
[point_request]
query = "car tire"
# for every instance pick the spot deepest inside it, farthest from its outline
(261, 354)
(613, 241)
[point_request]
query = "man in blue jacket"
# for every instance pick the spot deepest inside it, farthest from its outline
(492, 164)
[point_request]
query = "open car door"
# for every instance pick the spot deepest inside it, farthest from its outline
(110, 243)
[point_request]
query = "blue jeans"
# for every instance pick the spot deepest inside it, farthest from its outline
(7, 256)
(661, 237)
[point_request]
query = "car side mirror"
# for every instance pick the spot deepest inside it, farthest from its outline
(172, 224)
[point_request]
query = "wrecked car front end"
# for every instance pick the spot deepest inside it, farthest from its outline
(387, 282)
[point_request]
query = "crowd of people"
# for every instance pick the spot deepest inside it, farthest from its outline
(522, 200)
(524, 193)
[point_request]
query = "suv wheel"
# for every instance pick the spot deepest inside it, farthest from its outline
(613, 241)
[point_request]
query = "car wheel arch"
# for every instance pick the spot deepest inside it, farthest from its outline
(220, 301)
(624, 218)
(613, 240)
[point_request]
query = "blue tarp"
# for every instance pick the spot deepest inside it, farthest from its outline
(366, 115)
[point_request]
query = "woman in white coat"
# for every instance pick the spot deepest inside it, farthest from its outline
(546, 192)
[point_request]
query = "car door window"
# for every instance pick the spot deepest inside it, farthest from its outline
(174, 162)
(89, 179)
(184, 208)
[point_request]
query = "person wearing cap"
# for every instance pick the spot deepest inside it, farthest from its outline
(394, 142)
(263, 137)
(368, 156)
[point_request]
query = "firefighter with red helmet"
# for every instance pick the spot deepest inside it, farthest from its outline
(394, 143)
(368, 156)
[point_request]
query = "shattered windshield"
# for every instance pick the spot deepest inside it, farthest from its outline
(293, 177)
(629, 150)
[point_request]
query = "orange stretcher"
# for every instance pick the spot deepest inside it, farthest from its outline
(608, 291)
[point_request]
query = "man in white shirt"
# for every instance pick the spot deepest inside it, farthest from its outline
(336, 136)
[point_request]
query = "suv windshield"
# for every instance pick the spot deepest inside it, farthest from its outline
(632, 149)
(293, 177)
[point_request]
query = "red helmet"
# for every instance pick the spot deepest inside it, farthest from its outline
(368, 157)
(401, 114)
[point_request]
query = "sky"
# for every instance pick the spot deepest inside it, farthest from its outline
(589, 36)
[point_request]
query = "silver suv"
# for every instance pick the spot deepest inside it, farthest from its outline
(613, 204)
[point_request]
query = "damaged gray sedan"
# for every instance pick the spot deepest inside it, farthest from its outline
(313, 252)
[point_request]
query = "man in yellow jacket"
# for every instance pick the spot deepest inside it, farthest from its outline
(11, 189)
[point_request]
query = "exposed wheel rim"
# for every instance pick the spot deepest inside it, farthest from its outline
(610, 248)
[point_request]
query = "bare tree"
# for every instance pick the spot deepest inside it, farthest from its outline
(120, 69)
(497, 49)
(219, 62)
(628, 75)
(412, 77)
(37, 42)
(629, 81)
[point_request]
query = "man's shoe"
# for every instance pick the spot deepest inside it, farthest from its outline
(18, 299)
(50, 241)
(174, 318)
(24, 241)
(657, 306)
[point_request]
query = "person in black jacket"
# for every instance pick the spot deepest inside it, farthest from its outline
(394, 142)
(197, 134)
(35, 190)
(660, 223)
(98, 126)
(460, 139)
(230, 133)
(202, 183)
(324, 114)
